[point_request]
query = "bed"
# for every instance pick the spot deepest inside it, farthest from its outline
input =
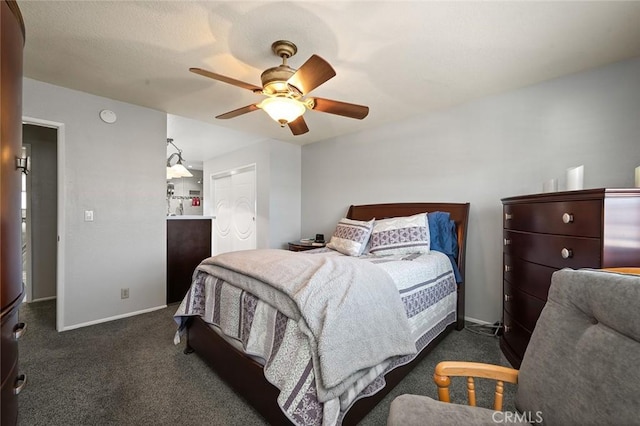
(250, 365)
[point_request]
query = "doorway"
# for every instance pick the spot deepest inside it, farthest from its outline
(234, 201)
(40, 199)
(51, 169)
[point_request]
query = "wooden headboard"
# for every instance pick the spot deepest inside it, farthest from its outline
(459, 212)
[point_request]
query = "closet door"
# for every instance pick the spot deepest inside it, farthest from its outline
(234, 196)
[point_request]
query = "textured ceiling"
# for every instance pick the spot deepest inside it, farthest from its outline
(400, 58)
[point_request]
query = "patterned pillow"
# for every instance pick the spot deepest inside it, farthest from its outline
(401, 235)
(351, 236)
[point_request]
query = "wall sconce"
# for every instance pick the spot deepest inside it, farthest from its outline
(176, 170)
(23, 162)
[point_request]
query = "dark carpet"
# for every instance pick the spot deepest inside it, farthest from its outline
(129, 372)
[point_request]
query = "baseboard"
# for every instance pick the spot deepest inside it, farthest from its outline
(117, 317)
(42, 299)
(477, 321)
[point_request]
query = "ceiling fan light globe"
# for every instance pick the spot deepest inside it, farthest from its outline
(282, 110)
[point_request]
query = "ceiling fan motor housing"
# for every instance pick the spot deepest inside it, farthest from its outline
(274, 80)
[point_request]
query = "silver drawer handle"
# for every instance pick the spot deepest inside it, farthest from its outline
(19, 330)
(507, 298)
(508, 216)
(507, 268)
(21, 382)
(567, 218)
(506, 241)
(566, 253)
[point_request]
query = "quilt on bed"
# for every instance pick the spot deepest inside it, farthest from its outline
(427, 289)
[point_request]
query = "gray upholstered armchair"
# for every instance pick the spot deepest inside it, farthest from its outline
(582, 365)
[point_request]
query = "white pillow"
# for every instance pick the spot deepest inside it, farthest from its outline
(401, 235)
(351, 236)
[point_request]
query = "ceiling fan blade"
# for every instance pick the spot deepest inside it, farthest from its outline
(340, 108)
(239, 111)
(298, 126)
(225, 79)
(311, 74)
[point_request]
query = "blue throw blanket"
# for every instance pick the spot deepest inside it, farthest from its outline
(444, 238)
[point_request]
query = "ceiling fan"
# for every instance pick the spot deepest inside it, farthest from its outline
(286, 90)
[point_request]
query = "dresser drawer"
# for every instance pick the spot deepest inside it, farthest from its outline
(12, 383)
(523, 308)
(516, 336)
(529, 277)
(577, 218)
(556, 251)
(11, 331)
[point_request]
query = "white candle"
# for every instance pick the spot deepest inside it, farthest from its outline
(550, 186)
(575, 178)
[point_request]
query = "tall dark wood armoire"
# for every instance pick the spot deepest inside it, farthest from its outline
(11, 288)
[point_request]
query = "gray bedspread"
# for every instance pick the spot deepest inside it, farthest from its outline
(344, 306)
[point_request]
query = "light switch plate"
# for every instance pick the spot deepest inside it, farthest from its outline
(88, 215)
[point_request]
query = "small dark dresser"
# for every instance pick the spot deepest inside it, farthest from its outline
(188, 244)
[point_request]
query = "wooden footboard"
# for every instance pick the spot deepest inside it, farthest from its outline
(246, 376)
(242, 373)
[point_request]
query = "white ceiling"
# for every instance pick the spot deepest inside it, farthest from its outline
(401, 58)
(200, 140)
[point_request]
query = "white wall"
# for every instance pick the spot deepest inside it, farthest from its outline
(285, 195)
(481, 152)
(118, 171)
(278, 196)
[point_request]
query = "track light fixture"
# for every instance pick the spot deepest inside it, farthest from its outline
(177, 170)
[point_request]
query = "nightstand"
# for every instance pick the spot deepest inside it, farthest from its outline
(303, 247)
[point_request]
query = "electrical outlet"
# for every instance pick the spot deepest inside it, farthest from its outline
(124, 293)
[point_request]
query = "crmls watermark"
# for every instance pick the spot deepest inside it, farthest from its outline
(509, 417)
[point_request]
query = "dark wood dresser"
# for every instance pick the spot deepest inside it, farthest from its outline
(11, 289)
(188, 243)
(594, 228)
